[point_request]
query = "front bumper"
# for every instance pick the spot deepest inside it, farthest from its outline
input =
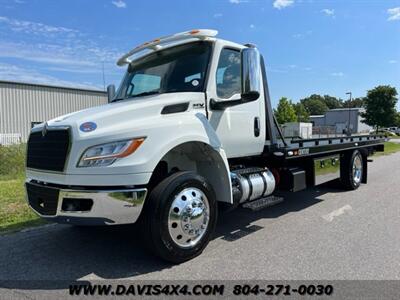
(85, 206)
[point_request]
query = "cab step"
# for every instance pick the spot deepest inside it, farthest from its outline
(263, 203)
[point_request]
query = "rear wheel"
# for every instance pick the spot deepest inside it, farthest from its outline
(180, 216)
(352, 168)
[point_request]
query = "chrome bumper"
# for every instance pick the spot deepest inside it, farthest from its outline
(109, 207)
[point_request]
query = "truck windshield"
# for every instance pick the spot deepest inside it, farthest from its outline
(181, 68)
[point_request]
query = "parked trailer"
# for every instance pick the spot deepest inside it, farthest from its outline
(191, 126)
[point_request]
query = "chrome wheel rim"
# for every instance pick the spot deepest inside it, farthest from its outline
(357, 169)
(188, 217)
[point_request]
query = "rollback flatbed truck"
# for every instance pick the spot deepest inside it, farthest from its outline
(189, 131)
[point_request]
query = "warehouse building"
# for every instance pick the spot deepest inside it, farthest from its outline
(340, 119)
(22, 105)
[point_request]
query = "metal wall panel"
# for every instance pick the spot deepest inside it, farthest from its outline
(21, 104)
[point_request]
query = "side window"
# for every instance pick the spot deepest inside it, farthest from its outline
(228, 74)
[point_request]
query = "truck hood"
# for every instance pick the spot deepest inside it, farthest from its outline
(128, 114)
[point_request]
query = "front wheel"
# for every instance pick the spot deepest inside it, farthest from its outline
(352, 168)
(180, 216)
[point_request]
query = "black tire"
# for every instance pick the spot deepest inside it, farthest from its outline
(347, 177)
(154, 219)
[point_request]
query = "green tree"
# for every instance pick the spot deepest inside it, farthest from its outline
(397, 120)
(380, 106)
(285, 111)
(356, 102)
(301, 113)
(332, 102)
(315, 105)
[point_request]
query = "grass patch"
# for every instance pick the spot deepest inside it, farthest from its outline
(12, 161)
(15, 213)
(390, 148)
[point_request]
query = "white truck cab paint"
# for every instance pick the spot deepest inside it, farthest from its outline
(191, 126)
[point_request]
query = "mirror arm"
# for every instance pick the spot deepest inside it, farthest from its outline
(221, 105)
(110, 93)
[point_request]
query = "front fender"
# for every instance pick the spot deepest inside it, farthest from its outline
(210, 162)
(196, 129)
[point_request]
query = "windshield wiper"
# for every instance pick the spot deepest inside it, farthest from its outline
(138, 95)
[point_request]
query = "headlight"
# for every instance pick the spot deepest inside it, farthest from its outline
(106, 154)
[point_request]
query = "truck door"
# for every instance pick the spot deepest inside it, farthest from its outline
(240, 128)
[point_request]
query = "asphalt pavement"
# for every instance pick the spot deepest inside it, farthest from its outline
(321, 233)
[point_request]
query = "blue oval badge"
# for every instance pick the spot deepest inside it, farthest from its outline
(88, 126)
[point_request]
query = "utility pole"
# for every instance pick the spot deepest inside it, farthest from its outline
(104, 77)
(348, 126)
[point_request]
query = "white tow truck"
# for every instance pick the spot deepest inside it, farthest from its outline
(190, 131)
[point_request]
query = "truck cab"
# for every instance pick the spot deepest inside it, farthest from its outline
(190, 127)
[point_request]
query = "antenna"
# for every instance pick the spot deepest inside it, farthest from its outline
(104, 78)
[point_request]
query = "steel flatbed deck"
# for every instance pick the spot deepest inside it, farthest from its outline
(319, 146)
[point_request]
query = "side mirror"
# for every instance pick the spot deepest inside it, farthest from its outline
(110, 92)
(251, 72)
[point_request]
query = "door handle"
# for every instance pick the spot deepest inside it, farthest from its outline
(256, 126)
